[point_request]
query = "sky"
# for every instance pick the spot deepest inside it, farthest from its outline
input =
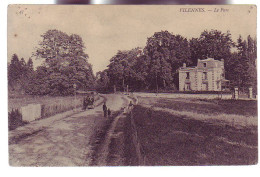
(105, 29)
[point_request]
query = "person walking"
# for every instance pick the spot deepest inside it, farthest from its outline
(84, 104)
(108, 112)
(130, 106)
(105, 109)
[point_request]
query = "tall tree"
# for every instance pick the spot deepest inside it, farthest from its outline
(211, 44)
(128, 68)
(30, 64)
(241, 65)
(141, 68)
(66, 62)
(247, 53)
(39, 83)
(14, 72)
(102, 81)
(167, 53)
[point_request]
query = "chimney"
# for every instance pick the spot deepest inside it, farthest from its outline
(184, 65)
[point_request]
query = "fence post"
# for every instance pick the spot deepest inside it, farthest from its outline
(236, 93)
(75, 89)
(250, 93)
(114, 88)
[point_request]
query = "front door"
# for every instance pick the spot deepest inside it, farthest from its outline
(187, 86)
(204, 86)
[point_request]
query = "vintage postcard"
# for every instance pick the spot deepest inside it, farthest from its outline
(118, 85)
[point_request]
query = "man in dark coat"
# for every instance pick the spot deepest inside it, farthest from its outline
(84, 104)
(108, 112)
(105, 109)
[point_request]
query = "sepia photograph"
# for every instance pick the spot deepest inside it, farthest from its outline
(132, 85)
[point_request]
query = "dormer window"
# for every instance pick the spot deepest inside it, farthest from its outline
(205, 64)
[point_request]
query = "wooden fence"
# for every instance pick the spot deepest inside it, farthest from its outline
(136, 142)
(33, 112)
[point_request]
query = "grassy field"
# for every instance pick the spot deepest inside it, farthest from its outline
(214, 106)
(172, 133)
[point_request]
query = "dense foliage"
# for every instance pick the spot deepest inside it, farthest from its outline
(155, 67)
(152, 68)
(19, 74)
(64, 64)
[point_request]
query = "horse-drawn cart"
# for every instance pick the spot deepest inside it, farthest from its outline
(88, 100)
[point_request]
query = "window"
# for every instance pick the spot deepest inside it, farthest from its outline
(204, 75)
(187, 75)
(205, 64)
(204, 86)
(187, 86)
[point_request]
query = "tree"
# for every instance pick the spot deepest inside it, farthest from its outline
(234, 70)
(132, 73)
(30, 64)
(19, 74)
(247, 53)
(14, 72)
(65, 61)
(167, 53)
(116, 69)
(102, 81)
(141, 68)
(39, 83)
(241, 65)
(211, 44)
(128, 69)
(119, 69)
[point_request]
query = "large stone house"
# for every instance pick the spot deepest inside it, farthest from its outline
(208, 75)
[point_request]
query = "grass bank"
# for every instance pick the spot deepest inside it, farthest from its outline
(170, 139)
(213, 107)
(98, 139)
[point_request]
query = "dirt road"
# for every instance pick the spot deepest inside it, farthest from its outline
(65, 142)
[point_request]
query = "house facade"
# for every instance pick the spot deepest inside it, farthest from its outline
(208, 75)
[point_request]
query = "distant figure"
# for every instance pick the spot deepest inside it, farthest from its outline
(88, 100)
(108, 112)
(130, 104)
(105, 109)
(84, 104)
(92, 100)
